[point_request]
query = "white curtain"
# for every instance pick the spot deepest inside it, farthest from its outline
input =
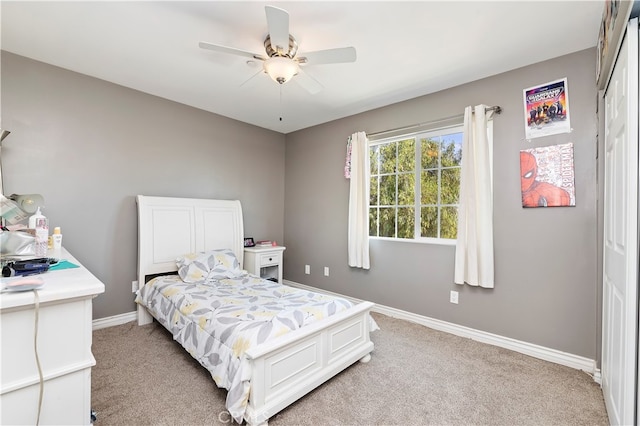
(474, 246)
(358, 238)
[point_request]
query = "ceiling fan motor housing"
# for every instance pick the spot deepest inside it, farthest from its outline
(292, 49)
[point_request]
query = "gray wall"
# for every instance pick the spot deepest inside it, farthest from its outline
(89, 147)
(545, 259)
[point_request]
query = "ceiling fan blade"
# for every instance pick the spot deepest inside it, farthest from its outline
(307, 82)
(278, 26)
(231, 50)
(329, 56)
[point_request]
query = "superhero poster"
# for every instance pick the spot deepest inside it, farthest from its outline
(546, 109)
(547, 176)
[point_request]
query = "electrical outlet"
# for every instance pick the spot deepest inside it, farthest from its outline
(307, 269)
(134, 286)
(326, 271)
(453, 297)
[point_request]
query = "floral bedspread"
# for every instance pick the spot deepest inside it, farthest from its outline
(218, 321)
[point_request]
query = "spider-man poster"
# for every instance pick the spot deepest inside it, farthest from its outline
(546, 109)
(547, 176)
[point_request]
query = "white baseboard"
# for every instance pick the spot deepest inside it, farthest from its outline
(114, 320)
(552, 355)
(597, 376)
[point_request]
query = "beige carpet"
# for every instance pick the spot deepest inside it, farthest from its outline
(417, 376)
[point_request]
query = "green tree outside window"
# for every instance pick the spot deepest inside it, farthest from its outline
(415, 185)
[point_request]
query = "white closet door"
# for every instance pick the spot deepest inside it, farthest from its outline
(620, 280)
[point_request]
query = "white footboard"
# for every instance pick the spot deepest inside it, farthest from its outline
(288, 368)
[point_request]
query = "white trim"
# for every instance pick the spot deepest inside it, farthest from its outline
(548, 354)
(421, 240)
(114, 320)
(597, 376)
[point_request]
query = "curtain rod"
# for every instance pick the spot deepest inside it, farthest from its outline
(497, 109)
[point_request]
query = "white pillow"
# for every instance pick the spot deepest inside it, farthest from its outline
(198, 268)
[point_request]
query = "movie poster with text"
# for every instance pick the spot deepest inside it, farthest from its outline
(547, 176)
(546, 109)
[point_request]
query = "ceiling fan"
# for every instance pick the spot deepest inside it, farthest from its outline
(281, 61)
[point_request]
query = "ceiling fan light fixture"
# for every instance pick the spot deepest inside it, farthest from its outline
(280, 68)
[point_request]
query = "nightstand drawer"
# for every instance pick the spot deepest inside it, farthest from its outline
(270, 259)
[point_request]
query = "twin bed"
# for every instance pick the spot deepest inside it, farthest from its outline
(266, 343)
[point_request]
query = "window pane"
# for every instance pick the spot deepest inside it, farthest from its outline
(449, 225)
(388, 158)
(374, 159)
(388, 190)
(450, 186)
(429, 187)
(429, 153)
(387, 222)
(407, 190)
(429, 222)
(451, 150)
(406, 221)
(373, 191)
(406, 155)
(373, 222)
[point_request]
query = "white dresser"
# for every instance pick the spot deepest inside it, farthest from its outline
(64, 349)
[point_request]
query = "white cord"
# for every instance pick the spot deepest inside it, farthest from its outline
(35, 348)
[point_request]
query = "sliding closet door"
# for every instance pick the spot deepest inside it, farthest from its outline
(620, 278)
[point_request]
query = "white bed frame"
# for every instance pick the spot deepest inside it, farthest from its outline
(283, 370)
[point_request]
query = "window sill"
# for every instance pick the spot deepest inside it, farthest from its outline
(430, 241)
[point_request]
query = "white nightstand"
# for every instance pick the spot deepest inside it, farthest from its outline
(264, 261)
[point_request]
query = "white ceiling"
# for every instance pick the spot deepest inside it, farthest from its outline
(404, 49)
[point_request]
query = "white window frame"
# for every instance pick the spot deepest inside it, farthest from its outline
(417, 136)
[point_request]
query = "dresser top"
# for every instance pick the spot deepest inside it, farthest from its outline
(59, 285)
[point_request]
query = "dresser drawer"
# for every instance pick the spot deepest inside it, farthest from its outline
(64, 342)
(270, 259)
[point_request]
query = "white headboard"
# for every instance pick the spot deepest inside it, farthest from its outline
(172, 227)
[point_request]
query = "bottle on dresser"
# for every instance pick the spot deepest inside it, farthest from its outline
(41, 224)
(57, 238)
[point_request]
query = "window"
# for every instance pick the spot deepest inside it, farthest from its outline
(415, 182)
